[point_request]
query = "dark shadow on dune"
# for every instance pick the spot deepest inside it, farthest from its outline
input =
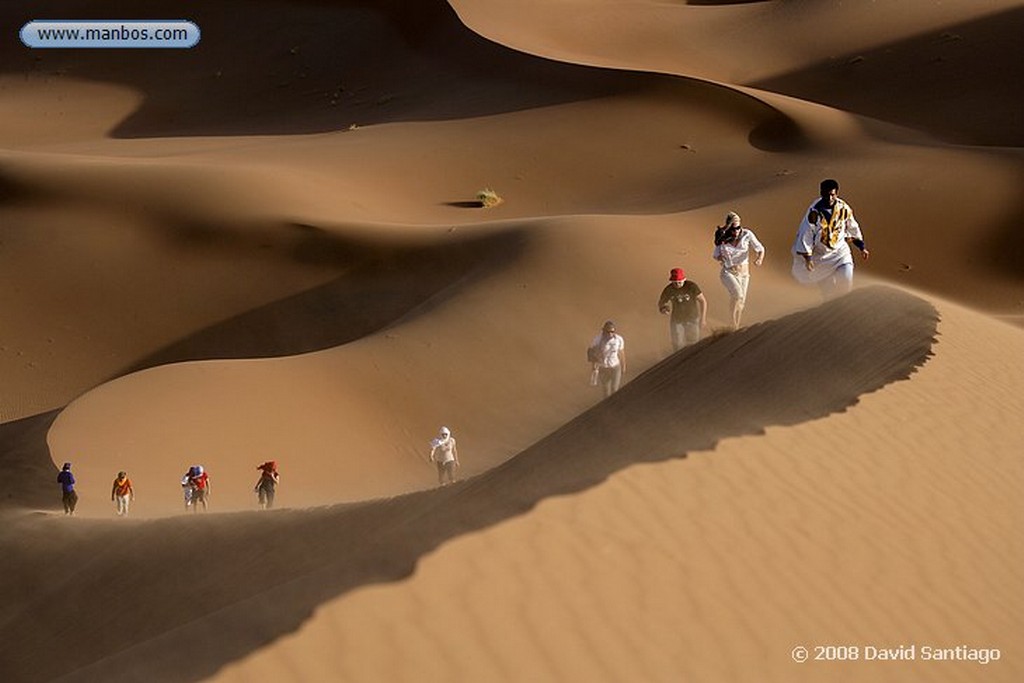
(963, 84)
(259, 576)
(309, 66)
(380, 284)
(724, 2)
(30, 479)
(1003, 249)
(472, 204)
(13, 191)
(778, 133)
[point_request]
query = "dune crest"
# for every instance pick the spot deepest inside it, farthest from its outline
(688, 402)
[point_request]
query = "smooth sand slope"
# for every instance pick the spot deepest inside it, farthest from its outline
(251, 559)
(875, 526)
(267, 247)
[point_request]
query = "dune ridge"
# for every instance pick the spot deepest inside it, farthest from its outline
(673, 569)
(246, 555)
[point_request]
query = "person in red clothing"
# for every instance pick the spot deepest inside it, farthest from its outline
(122, 493)
(200, 488)
(267, 485)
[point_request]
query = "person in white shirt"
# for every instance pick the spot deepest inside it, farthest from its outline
(733, 244)
(608, 354)
(821, 251)
(445, 455)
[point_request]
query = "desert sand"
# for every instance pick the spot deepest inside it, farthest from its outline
(269, 247)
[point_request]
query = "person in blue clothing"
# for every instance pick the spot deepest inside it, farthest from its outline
(67, 487)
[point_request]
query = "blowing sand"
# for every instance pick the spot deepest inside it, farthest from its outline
(269, 247)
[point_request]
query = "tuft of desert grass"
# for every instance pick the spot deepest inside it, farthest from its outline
(488, 198)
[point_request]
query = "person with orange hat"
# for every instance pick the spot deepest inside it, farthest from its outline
(684, 302)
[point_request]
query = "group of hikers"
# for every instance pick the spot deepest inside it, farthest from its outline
(195, 485)
(821, 256)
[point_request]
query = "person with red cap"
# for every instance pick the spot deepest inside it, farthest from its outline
(684, 302)
(266, 487)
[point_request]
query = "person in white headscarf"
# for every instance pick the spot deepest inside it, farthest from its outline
(733, 244)
(444, 454)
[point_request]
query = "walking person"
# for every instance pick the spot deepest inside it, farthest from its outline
(445, 454)
(67, 488)
(683, 301)
(122, 493)
(187, 488)
(200, 482)
(607, 354)
(266, 487)
(733, 244)
(821, 251)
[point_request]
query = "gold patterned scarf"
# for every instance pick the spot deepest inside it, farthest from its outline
(832, 227)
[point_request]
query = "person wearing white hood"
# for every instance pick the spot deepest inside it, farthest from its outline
(445, 455)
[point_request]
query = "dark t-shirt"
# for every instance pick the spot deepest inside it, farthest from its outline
(683, 301)
(267, 481)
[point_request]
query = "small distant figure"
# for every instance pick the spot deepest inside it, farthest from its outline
(444, 454)
(733, 244)
(122, 493)
(187, 487)
(67, 487)
(607, 355)
(684, 301)
(821, 251)
(200, 483)
(267, 484)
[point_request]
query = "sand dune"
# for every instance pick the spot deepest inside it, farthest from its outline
(686, 403)
(268, 247)
(859, 528)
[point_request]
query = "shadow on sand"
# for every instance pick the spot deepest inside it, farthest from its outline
(939, 82)
(254, 577)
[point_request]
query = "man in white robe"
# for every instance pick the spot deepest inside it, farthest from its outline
(821, 251)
